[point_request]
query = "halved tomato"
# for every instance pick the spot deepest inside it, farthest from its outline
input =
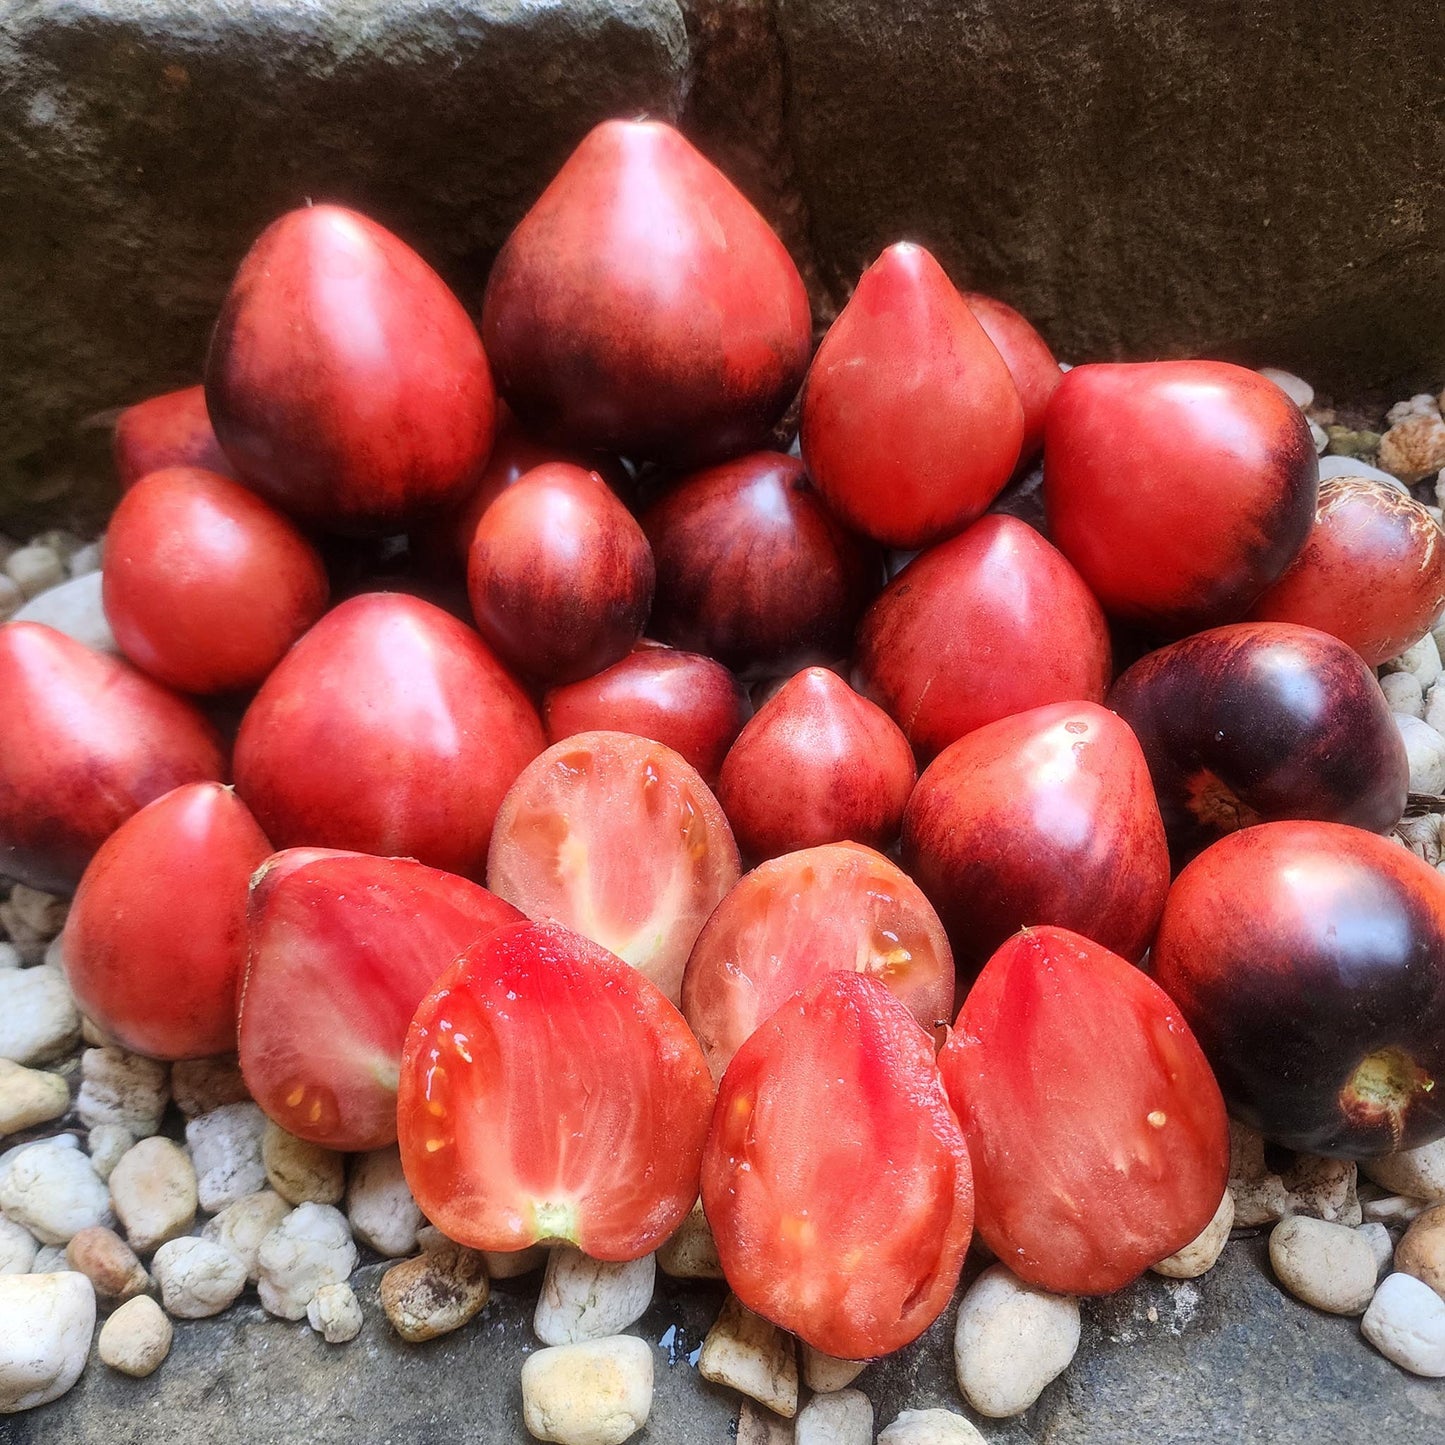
(806, 914)
(616, 837)
(343, 946)
(836, 1179)
(1097, 1132)
(549, 1091)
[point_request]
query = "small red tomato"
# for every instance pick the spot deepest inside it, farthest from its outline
(816, 764)
(389, 729)
(160, 989)
(206, 586)
(987, 624)
(688, 702)
(1033, 367)
(559, 574)
(170, 430)
(548, 1091)
(85, 741)
(1179, 489)
(1372, 572)
(836, 1179)
(643, 307)
(795, 918)
(1098, 1135)
(343, 947)
(345, 381)
(754, 570)
(911, 423)
(617, 837)
(1045, 817)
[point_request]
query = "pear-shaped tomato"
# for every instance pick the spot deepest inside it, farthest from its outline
(911, 423)
(161, 989)
(1035, 371)
(85, 741)
(549, 1091)
(836, 1179)
(343, 947)
(643, 307)
(170, 430)
(1098, 1135)
(345, 381)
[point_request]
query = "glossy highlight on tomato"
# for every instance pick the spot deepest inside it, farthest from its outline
(549, 1091)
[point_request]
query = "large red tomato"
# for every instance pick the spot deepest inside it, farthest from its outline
(1033, 367)
(549, 1091)
(170, 430)
(1098, 1135)
(836, 1179)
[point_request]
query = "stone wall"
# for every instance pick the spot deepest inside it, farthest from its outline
(1263, 179)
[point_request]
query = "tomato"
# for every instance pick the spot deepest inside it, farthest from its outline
(816, 764)
(1033, 367)
(170, 430)
(388, 729)
(990, 623)
(836, 1180)
(1372, 571)
(911, 423)
(549, 1091)
(643, 307)
(1179, 489)
(1310, 960)
(754, 570)
(206, 586)
(159, 989)
(560, 575)
(343, 947)
(617, 837)
(796, 918)
(1045, 817)
(1098, 1135)
(85, 742)
(346, 383)
(691, 703)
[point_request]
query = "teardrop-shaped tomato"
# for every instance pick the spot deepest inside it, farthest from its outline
(170, 430)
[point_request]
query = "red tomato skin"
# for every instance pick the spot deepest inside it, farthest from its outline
(560, 575)
(206, 586)
(345, 381)
(170, 430)
(1045, 817)
(1372, 572)
(1031, 364)
(643, 307)
(159, 990)
(556, 1086)
(388, 729)
(1300, 952)
(911, 423)
(754, 570)
(683, 700)
(836, 1180)
(816, 764)
(990, 623)
(85, 742)
(1179, 489)
(342, 948)
(1097, 1133)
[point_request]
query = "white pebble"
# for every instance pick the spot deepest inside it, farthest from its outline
(50, 1259)
(511, 1263)
(1419, 1173)
(240, 1227)
(45, 1326)
(200, 1086)
(136, 1338)
(29, 1096)
(1393, 1210)
(17, 1247)
(311, 1247)
(1378, 1238)
(9, 955)
(38, 1017)
(40, 915)
(122, 1088)
(827, 1373)
(1329, 1266)
(587, 1299)
(335, 1314)
(931, 1427)
(52, 1190)
(1406, 1323)
(197, 1277)
(87, 559)
(153, 1189)
(1421, 404)
(299, 1171)
(1201, 1253)
(842, 1418)
(225, 1146)
(435, 1293)
(12, 599)
(1404, 694)
(33, 569)
(690, 1252)
(383, 1215)
(108, 1144)
(1434, 708)
(75, 609)
(1296, 388)
(598, 1392)
(1351, 467)
(1422, 658)
(1425, 751)
(752, 1356)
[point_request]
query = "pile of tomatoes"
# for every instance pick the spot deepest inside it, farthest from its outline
(478, 885)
